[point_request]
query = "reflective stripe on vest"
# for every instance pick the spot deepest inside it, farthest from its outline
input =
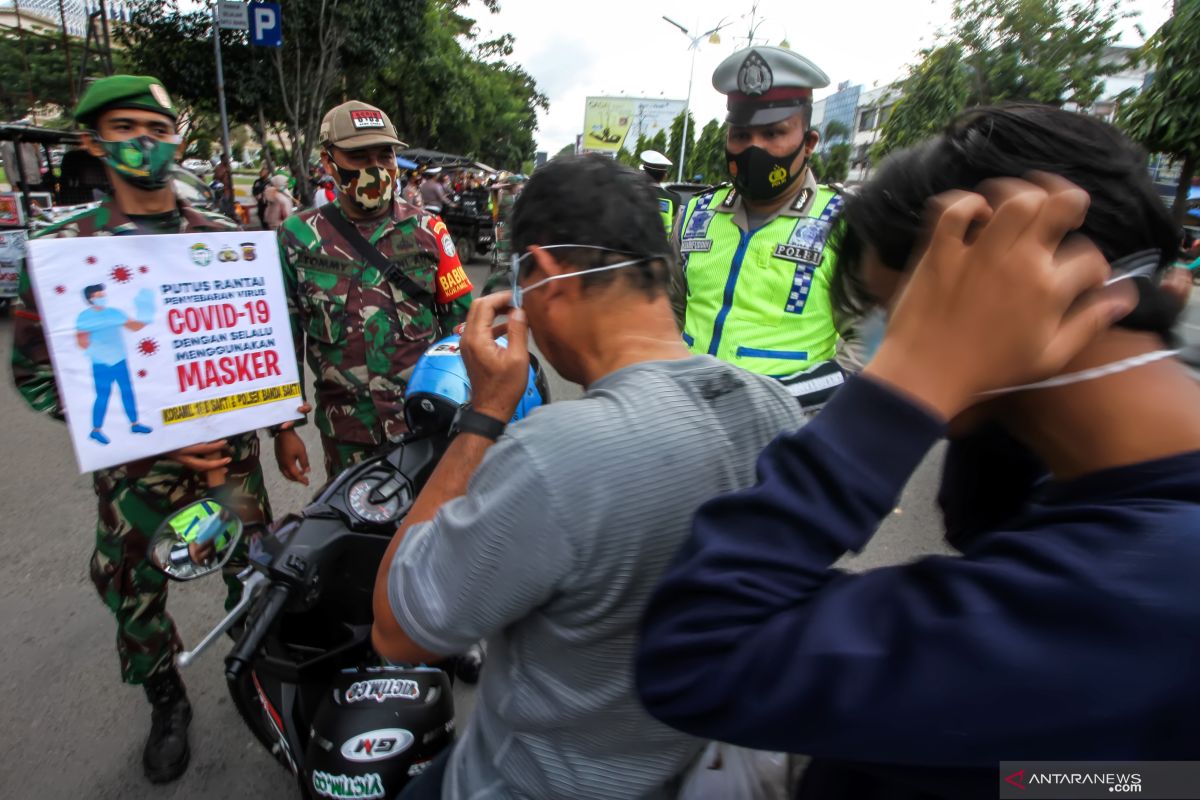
(666, 209)
(759, 300)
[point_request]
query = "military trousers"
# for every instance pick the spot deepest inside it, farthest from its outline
(133, 500)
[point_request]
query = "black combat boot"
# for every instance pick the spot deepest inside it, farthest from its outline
(166, 755)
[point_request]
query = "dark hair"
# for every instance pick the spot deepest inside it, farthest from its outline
(593, 200)
(1126, 215)
(88, 291)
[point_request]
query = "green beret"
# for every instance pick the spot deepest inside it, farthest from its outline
(123, 91)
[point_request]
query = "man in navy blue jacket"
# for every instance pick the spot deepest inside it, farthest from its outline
(1070, 626)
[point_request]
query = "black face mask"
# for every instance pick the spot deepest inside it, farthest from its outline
(760, 176)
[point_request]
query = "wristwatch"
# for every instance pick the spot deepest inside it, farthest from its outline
(468, 420)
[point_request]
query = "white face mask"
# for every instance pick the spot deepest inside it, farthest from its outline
(1137, 266)
(518, 291)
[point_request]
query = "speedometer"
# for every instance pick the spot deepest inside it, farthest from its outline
(361, 505)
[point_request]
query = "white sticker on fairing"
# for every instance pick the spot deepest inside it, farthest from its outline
(448, 245)
(377, 745)
(382, 689)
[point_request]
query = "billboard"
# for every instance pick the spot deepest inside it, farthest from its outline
(610, 123)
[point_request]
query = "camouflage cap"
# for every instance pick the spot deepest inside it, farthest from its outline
(123, 91)
(354, 125)
(766, 84)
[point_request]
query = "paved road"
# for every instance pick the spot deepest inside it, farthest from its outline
(72, 729)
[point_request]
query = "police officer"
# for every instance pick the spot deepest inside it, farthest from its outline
(129, 124)
(372, 281)
(754, 282)
(656, 165)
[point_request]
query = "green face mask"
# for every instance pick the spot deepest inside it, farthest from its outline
(144, 162)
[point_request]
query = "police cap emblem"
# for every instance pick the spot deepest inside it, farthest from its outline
(754, 77)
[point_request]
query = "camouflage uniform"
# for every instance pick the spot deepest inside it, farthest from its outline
(134, 498)
(360, 333)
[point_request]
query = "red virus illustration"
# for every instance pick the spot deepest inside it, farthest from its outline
(91, 259)
(121, 274)
(143, 269)
(147, 347)
(60, 289)
(141, 373)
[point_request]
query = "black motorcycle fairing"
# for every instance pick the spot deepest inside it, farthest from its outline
(381, 725)
(312, 619)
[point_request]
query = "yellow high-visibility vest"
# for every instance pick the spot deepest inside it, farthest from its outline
(759, 300)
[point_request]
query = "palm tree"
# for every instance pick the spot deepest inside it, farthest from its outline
(835, 130)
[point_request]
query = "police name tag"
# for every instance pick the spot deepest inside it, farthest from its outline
(797, 254)
(695, 245)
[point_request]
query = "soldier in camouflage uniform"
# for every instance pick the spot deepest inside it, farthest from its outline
(131, 127)
(361, 330)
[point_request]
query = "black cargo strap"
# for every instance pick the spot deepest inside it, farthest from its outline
(370, 252)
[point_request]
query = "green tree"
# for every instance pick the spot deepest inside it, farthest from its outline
(568, 150)
(1165, 118)
(676, 140)
(36, 74)
(283, 90)
(936, 89)
(835, 131)
(659, 142)
(833, 165)
(631, 157)
(452, 92)
(1044, 51)
(709, 159)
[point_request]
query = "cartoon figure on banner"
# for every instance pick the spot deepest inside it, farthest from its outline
(98, 332)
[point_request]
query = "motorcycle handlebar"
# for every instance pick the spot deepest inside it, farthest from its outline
(247, 645)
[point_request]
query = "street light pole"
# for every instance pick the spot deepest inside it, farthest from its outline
(221, 94)
(687, 105)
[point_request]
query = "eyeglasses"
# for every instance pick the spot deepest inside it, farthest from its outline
(515, 269)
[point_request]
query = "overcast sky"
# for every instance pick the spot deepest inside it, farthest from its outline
(617, 47)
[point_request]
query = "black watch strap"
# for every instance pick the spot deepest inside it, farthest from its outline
(468, 420)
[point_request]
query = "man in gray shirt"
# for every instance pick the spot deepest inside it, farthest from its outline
(548, 542)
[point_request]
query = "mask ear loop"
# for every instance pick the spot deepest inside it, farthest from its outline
(1087, 374)
(1135, 266)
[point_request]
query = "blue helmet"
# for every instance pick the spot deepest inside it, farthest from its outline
(439, 386)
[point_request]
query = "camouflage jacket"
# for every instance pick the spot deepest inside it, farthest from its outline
(361, 334)
(31, 367)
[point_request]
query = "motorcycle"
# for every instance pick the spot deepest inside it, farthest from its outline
(303, 674)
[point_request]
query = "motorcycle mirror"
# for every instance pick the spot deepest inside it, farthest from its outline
(196, 540)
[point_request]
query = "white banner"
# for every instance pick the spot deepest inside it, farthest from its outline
(160, 342)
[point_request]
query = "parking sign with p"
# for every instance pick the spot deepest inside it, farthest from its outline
(266, 25)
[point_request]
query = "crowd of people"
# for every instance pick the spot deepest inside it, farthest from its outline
(652, 566)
